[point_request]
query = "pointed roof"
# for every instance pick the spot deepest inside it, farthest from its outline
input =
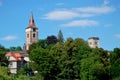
(31, 22)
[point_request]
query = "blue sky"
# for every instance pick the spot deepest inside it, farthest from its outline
(76, 19)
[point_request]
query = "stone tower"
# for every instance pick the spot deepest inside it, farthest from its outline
(31, 33)
(93, 42)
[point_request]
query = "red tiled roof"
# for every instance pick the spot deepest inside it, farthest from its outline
(9, 54)
(18, 55)
(15, 55)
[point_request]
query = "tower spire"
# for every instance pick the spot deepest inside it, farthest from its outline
(31, 21)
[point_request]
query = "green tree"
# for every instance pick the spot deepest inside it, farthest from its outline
(60, 37)
(3, 71)
(95, 66)
(2, 49)
(72, 60)
(42, 43)
(52, 40)
(57, 52)
(82, 51)
(44, 63)
(4, 74)
(115, 63)
(3, 59)
(18, 48)
(67, 61)
(92, 69)
(13, 48)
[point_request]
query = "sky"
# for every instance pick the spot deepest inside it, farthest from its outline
(76, 19)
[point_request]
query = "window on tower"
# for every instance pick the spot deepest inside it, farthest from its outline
(90, 43)
(34, 29)
(34, 35)
(27, 35)
(95, 43)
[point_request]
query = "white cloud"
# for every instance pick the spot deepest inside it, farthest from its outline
(95, 10)
(61, 15)
(81, 23)
(80, 12)
(84, 15)
(8, 38)
(117, 36)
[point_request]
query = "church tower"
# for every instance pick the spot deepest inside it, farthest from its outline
(93, 42)
(31, 33)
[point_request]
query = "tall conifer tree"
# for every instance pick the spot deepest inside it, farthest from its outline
(60, 37)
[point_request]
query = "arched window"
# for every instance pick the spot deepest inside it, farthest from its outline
(34, 35)
(27, 35)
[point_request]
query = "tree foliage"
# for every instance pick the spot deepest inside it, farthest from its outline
(3, 59)
(51, 40)
(18, 48)
(93, 67)
(115, 64)
(60, 37)
(45, 63)
(72, 60)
